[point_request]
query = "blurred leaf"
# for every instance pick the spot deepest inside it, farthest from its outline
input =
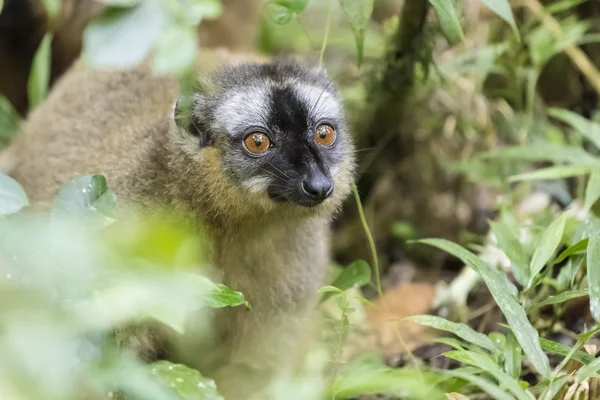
(502, 293)
(356, 274)
(543, 45)
(12, 196)
(358, 13)
(557, 348)
(593, 266)
(561, 298)
(85, 196)
(1, 5)
(588, 371)
(198, 10)
(484, 384)
(543, 152)
(121, 3)
(503, 10)
(511, 245)
(52, 8)
(577, 248)
(9, 120)
(186, 382)
(592, 190)
(564, 5)
(512, 356)
(123, 37)
(487, 364)
(555, 387)
(176, 51)
(454, 343)
(449, 21)
(547, 245)
(370, 376)
(463, 331)
(558, 172)
(282, 11)
(39, 78)
(456, 396)
(590, 130)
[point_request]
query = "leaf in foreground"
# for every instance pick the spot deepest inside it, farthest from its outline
(503, 10)
(501, 291)
(358, 13)
(590, 130)
(593, 261)
(39, 78)
(356, 274)
(461, 330)
(485, 385)
(592, 190)
(449, 21)
(12, 196)
(187, 383)
(510, 244)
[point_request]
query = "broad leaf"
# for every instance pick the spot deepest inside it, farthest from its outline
(198, 10)
(123, 37)
(358, 13)
(590, 130)
(547, 246)
(487, 364)
(176, 51)
(512, 356)
(449, 21)
(503, 10)
(355, 275)
(593, 266)
(39, 78)
(463, 331)
(12, 196)
(511, 245)
(218, 295)
(85, 196)
(187, 383)
(501, 290)
(282, 11)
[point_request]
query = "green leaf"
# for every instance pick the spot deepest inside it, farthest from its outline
(186, 382)
(588, 129)
(218, 295)
(279, 14)
(176, 51)
(449, 21)
(84, 196)
(1, 5)
(12, 196)
(358, 13)
(592, 190)
(199, 10)
(354, 275)
(503, 10)
(512, 356)
(463, 331)
(560, 349)
(577, 248)
(588, 371)
(593, 265)
(511, 245)
(485, 385)
(296, 6)
(9, 120)
(39, 78)
(555, 387)
(502, 293)
(52, 8)
(547, 245)
(561, 298)
(557, 172)
(542, 152)
(121, 3)
(487, 364)
(123, 37)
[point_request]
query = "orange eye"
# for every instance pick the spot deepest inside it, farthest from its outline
(325, 135)
(257, 143)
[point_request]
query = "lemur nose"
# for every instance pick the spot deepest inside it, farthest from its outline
(317, 188)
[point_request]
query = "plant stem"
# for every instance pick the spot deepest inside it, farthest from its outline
(326, 35)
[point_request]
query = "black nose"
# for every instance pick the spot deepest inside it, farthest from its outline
(317, 188)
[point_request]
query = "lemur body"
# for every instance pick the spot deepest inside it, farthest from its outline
(263, 162)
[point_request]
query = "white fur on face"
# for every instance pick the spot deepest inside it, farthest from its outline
(320, 102)
(243, 107)
(257, 184)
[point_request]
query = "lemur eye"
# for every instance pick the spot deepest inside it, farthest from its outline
(257, 143)
(325, 135)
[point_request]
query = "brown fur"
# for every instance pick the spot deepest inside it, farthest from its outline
(120, 124)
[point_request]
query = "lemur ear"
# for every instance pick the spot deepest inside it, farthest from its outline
(187, 119)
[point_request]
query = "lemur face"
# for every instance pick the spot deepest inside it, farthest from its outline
(281, 131)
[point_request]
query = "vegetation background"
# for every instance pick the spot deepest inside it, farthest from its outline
(478, 128)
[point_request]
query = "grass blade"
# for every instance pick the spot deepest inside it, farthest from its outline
(449, 21)
(593, 264)
(561, 298)
(587, 128)
(485, 385)
(39, 79)
(503, 10)
(511, 245)
(557, 172)
(560, 349)
(547, 246)
(577, 248)
(588, 371)
(592, 190)
(463, 331)
(501, 290)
